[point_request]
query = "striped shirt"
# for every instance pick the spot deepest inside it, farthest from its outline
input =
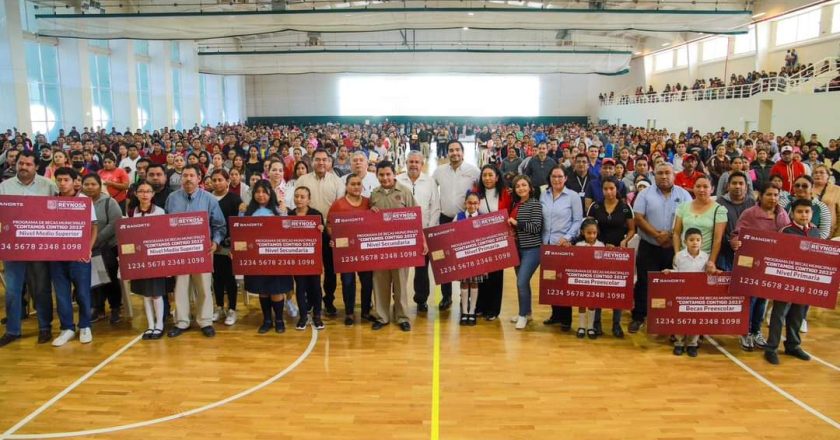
(529, 224)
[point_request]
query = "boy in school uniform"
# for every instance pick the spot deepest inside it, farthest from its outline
(789, 314)
(689, 259)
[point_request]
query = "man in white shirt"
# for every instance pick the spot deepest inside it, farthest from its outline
(359, 167)
(129, 164)
(453, 181)
(426, 194)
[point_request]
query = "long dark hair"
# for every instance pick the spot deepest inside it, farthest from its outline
(265, 185)
(500, 183)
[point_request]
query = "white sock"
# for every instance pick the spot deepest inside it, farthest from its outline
(590, 319)
(158, 303)
(150, 313)
(581, 319)
(465, 298)
(473, 299)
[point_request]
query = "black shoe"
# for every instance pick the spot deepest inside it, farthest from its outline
(115, 316)
(422, 308)
(581, 333)
(772, 357)
(44, 336)
(264, 328)
(148, 334)
(464, 319)
(692, 351)
(368, 317)
(471, 321)
(592, 333)
(330, 310)
(678, 351)
(798, 353)
(445, 304)
(318, 323)
(565, 327)
(157, 333)
(377, 325)
(348, 320)
(405, 326)
(6, 339)
(552, 321)
(301, 324)
(617, 331)
(174, 332)
(95, 316)
(635, 326)
(208, 331)
(280, 326)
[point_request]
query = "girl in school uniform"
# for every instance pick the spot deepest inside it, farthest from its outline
(151, 289)
(586, 317)
(309, 295)
(272, 289)
(469, 286)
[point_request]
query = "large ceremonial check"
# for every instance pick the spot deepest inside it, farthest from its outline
(164, 245)
(36, 228)
(587, 276)
(471, 247)
(787, 268)
(274, 245)
(387, 239)
(695, 303)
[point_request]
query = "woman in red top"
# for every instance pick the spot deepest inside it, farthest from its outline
(115, 179)
(353, 201)
(493, 196)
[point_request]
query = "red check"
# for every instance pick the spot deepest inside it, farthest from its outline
(694, 303)
(471, 247)
(367, 240)
(164, 245)
(787, 268)
(35, 228)
(276, 245)
(587, 276)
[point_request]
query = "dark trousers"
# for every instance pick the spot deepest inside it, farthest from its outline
(224, 282)
(792, 316)
(348, 289)
(421, 283)
(329, 272)
(109, 291)
(562, 314)
(308, 294)
(650, 258)
(446, 289)
(38, 284)
(490, 294)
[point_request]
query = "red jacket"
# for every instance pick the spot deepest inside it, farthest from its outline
(789, 173)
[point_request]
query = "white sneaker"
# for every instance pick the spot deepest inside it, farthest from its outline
(230, 319)
(521, 322)
(64, 337)
(515, 318)
(804, 327)
(758, 340)
(292, 309)
(217, 311)
(85, 335)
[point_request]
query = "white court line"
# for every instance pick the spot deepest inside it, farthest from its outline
(71, 387)
(179, 415)
(775, 387)
(826, 363)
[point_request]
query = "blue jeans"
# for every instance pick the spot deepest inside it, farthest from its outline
(757, 308)
(17, 273)
(529, 260)
(348, 290)
(63, 274)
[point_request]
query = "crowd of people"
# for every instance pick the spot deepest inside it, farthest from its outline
(686, 195)
(716, 88)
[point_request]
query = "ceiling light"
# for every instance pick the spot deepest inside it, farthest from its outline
(470, 13)
(535, 5)
(666, 44)
(637, 53)
(466, 28)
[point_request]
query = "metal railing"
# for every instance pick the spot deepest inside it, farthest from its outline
(824, 76)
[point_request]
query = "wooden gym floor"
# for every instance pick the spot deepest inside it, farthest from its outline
(438, 381)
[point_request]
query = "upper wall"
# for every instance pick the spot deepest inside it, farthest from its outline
(318, 95)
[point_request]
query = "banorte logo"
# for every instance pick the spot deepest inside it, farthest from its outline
(184, 221)
(668, 281)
